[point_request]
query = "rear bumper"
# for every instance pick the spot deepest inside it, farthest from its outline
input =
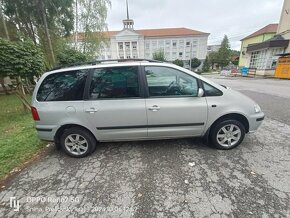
(255, 121)
(46, 132)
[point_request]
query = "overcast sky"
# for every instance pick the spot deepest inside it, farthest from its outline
(236, 18)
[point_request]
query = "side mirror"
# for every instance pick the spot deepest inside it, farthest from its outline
(200, 92)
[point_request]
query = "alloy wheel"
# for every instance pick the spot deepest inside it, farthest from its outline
(229, 135)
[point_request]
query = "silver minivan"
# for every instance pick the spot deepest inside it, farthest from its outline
(126, 100)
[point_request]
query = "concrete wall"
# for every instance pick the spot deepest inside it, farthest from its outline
(284, 24)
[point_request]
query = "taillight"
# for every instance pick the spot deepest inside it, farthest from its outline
(35, 114)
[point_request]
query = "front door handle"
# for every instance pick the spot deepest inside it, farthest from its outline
(154, 108)
(91, 110)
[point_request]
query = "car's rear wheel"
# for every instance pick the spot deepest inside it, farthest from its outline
(77, 142)
(227, 134)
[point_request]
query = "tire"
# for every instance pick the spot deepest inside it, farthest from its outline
(77, 142)
(227, 134)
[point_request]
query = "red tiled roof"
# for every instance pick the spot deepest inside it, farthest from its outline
(156, 32)
(271, 28)
(170, 32)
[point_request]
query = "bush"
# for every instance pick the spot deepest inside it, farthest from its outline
(195, 63)
(178, 62)
(69, 56)
(159, 56)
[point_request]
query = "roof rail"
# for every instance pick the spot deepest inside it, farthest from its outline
(104, 61)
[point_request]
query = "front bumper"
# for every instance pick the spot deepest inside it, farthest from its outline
(255, 121)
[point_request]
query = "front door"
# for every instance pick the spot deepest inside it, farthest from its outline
(173, 108)
(115, 107)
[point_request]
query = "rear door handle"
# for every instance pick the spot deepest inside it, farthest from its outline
(154, 108)
(91, 110)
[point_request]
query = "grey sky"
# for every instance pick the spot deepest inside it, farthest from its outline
(236, 18)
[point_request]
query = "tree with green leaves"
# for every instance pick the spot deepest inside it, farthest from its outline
(224, 53)
(44, 21)
(206, 65)
(195, 63)
(20, 59)
(69, 56)
(159, 55)
(92, 21)
(178, 62)
(213, 58)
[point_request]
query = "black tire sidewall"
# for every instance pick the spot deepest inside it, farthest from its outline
(216, 128)
(84, 133)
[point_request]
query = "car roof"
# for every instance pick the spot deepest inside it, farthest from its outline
(107, 63)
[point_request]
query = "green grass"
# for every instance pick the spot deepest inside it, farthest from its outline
(18, 139)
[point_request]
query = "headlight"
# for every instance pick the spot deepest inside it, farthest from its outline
(257, 108)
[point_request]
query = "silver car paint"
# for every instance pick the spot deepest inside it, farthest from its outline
(135, 112)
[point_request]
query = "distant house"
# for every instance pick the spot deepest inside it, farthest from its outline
(261, 49)
(213, 48)
(259, 36)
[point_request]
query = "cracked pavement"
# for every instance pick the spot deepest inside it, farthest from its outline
(168, 178)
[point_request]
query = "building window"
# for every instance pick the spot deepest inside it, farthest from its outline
(181, 43)
(174, 55)
(187, 43)
(174, 44)
(147, 45)
(161, 44)
(194, 42)
(127, 45)
(258, 59)
(167, 43)
(134, 45)
(120, 44)
(180, 54)
(154, 44)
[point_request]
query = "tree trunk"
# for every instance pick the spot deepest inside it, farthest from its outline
(47, 32)
(3, 86)
(21, 90)
(4, 22)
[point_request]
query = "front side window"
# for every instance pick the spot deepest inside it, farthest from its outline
(115, 82)
(63, 86)
(164, 81)
(211, 91)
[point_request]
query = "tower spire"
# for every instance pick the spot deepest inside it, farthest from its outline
(128, 23)
(127, 9)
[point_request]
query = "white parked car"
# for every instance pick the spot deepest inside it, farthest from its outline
(125, 100)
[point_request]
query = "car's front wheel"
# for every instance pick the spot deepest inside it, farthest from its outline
(227, 134)
(77, 142)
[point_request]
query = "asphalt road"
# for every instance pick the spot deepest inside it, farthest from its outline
(169, 178)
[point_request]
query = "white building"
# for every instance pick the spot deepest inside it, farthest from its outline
(176, 43)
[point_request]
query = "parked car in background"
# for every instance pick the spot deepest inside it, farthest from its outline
(138, 100)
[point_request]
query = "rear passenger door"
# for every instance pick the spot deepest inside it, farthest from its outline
(115, 105)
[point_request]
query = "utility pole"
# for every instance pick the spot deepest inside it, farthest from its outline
(190, 56)
(76, 30)
(4, 22)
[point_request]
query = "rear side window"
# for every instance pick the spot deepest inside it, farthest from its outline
(211, 91)
(64, 86)
(114, 82)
